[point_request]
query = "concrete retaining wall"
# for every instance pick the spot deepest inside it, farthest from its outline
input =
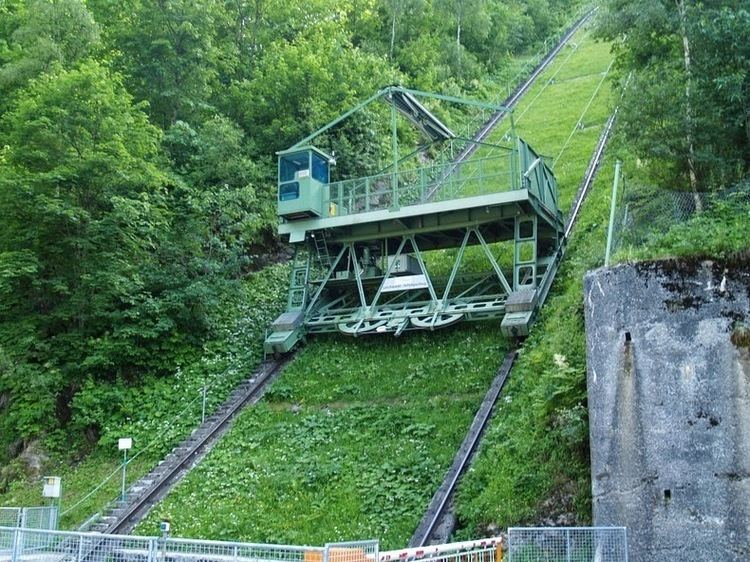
(669, 407)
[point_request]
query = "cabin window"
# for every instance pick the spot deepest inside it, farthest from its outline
(290, 166)
(319, 168)
(289, 191)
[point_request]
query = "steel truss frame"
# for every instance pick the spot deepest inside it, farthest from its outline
(357, 304)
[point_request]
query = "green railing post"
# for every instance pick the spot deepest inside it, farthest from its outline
(481, 175)
(367, 194)
(394, 148)
(610, 228)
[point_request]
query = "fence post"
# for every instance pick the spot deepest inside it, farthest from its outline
(610, 227)
(567, 545)
(203, 404)
(152, 550)
(14, 554)
(24, 519)
(79, 557)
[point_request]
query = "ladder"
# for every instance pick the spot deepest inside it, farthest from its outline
(321, 249)
(297, 299)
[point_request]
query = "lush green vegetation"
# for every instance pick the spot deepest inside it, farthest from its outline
(350, 442)
(685, 111)
(161, 411)
(136, 174)
(534, 460)
(683, 68)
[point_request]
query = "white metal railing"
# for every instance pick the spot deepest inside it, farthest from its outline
(33, 545)
(29, 517)
(482, 550)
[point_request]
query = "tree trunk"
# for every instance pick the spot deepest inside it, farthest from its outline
(459, 17)
(689, 106)
(393, 30)
(256, 25)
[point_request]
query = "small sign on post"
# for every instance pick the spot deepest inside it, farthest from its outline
(52, 487)
(124, 444)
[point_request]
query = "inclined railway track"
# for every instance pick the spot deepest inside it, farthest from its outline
(140, 505)
(125, 518)
(437, 522)
(509, 102)
(435, 515)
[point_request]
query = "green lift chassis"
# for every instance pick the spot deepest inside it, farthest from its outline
(362, 247)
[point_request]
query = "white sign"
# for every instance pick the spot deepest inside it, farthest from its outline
(51, 487)
(125, 443)
(405, 283)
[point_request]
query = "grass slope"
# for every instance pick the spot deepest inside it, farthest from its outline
(533, 466)
(350, 442)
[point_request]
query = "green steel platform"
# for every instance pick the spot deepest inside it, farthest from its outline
(362, 246)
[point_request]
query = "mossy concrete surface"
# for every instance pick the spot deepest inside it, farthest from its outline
(669, 407)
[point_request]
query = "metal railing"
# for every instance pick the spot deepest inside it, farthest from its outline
(477, 176)
(31, 545)
(29, 517)
(567, 544)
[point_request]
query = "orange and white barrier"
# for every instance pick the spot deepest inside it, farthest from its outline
(486, 550)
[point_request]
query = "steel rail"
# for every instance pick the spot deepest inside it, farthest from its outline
(265, 374)
(510, 102)
(436, 511)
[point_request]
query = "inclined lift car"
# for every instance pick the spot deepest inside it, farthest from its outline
(362, 246)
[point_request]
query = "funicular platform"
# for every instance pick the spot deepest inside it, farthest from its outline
(363, 247)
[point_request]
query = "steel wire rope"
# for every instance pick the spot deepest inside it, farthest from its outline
(491, 151)
(545, 64)
(526, 69)
(583, 113)
(551, 78)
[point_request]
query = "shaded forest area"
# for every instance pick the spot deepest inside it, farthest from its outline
(137, 168)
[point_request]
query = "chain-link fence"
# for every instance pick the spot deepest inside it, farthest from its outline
(644, 214)
(567, 544)
(29, 517)
(30, 545)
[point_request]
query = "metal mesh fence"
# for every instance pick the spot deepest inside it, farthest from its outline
(644, 214)
(29, 517)
(40, 518)
(10, 516)
(31, 545)
(567, 544)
